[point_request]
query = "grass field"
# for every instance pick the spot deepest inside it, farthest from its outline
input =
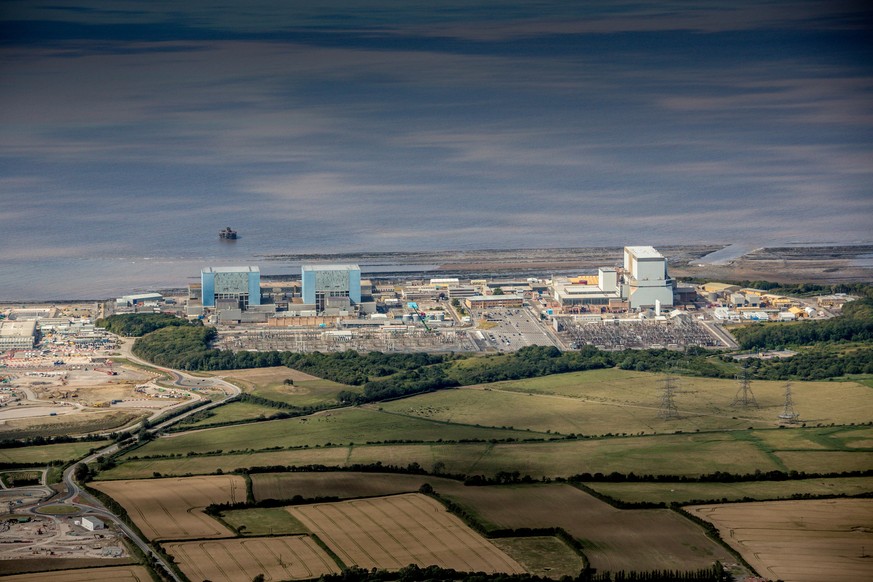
(349, 425)
(761, 490)
(279, 558)
(171, 508)
(57, 509)
(233, 412)
(263, 521)
(613, 539)
(392, 532)
(345, 485)
(542, 556)
(671, 454)
(616, 401)
(801, 541)
(108, 574)
(42, 454)
(270, 383)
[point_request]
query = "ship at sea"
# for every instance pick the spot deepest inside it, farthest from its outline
(227, 234)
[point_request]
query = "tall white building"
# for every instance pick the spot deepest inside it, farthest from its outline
(645, 279)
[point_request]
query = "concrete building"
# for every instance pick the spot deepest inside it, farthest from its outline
(17, 335)
(138, 299)
(240, 284)
(589, 291)
(92, 523)
(645, 278)
(321, 282)
(487, 301)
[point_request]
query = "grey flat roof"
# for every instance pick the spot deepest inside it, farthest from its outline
(249, 269)
(331, 267)
(17, 328)
(644, 252)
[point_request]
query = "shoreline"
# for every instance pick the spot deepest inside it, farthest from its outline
(786, 263)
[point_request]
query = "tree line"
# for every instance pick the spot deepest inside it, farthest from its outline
(855, 324)
(139, 324)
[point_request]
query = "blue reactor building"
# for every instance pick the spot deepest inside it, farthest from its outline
(242, 284)
(324, 285)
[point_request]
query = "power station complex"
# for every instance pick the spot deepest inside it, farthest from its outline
(642, 283)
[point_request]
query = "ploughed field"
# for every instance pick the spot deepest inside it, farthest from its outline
(799, 541)
(229, 560)
(612, 539)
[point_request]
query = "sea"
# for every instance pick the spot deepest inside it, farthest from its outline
(110, 263)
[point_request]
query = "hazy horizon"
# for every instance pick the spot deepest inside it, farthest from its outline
(131, 130)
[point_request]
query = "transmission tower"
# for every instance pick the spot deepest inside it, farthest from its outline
(789, 415)
(744, 396)
(668, 410)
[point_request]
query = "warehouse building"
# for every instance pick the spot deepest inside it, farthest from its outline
(331, 286)
(17, 335)
(238, 284)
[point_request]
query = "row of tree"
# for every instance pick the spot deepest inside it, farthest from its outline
(139, 324)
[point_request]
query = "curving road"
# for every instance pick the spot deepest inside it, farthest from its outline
(87, 503)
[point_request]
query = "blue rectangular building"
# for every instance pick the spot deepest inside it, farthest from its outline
(321, 282)
(238, 283)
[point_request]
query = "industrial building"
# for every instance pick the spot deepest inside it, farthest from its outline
(92, 523)
(600, 291)
(331, 286)
(17, 335)
(645, 282)
(240, 284)
(490, 301)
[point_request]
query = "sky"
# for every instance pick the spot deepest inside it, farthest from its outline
(138, 129)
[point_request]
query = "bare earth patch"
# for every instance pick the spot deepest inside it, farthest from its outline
(799, 541)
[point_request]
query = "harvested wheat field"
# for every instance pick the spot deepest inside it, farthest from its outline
(613, 539)
(799, 541)
(112, 574)
(171, 509)
(277, 558)
(393, 532)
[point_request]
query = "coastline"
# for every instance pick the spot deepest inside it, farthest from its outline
(99, 279)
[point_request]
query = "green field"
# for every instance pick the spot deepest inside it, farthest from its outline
(233, 412)
(270, 383)
(616, 401)
(263, 521)
(45, 453)
(350, 425)
(759, 490)
(681, 454)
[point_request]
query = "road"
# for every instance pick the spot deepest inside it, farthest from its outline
(90, 505)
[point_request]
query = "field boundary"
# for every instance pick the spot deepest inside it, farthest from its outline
(712, 532)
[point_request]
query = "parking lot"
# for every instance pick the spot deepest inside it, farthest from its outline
(507, 330)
